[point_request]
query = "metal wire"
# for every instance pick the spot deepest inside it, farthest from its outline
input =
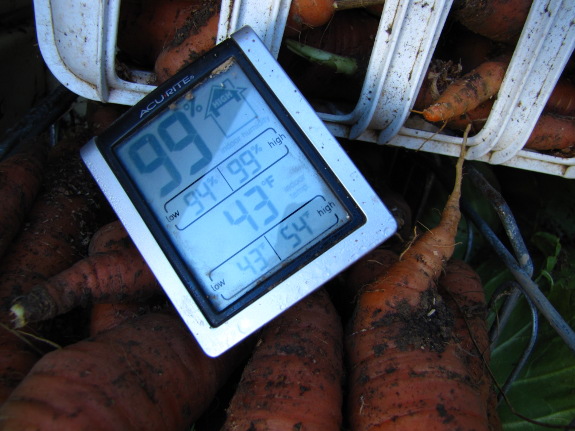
(526, 352)
(531, 288)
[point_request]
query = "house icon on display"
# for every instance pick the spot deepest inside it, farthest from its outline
(228, 107)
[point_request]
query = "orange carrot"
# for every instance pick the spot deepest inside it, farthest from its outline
(145, 374)
(112, 236)
(147, 26)
(293, 379)
(20, 179)
(197, 37)
(116, 275)
(106, 316)
(462, 290)
(309, 13)
(361, 274)
(562, 99)
(476, 117)
(62, 219)
(469, 91)
(394, 315)
(499, 20)
(552, 132)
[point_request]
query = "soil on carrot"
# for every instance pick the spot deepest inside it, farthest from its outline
(196, 21)
(428, 326)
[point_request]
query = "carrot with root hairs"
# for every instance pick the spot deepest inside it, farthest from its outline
(145, 374)
(469, 91)
(293, 380)
(383, 330)
(116, 275)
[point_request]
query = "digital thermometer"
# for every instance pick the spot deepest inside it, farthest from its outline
(234, 191)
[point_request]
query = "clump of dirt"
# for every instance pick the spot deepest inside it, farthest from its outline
(428, 326)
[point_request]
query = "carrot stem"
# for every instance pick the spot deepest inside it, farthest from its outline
(339, 63)
(354, 4)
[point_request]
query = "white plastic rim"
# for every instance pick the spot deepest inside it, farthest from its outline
(78, 42)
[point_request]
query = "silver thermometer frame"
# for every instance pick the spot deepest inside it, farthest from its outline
(377, 227)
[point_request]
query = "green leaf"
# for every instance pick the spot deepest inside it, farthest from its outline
(545, 390)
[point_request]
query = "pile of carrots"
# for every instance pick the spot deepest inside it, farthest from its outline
(360, 353)
(397, 342)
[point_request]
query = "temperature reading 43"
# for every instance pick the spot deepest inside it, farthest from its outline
(236, 194)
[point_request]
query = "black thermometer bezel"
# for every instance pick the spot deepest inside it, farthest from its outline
(156, 103)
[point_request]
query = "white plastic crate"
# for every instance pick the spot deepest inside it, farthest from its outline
(78, 42)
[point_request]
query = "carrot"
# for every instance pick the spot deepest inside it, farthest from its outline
(363, 273)
(440, 74)
(293, 379)
(463, 292)
(562, 99)
(309, 13)
(468, 92)
(384, 326)
(552, 132)
(498, 20)
(112, 236)
(477, 117)
(147, 26)
(194, 39)
(63, 217)
(145, 374)
(106, 316)
(20, 180)
(101, 116)
(117, 275)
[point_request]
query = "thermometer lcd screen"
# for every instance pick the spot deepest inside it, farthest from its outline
(233, 191)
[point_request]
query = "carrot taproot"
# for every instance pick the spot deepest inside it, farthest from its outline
(562, 99)
(477, 117)
(108, 315)
(293, 381)
(116, 275)
(462, 290)
(498, 20)
(308, 14)
(195, 38)
(361, 274)
(63, 218)
(112, 236)
(146, 374)
(21, 176)
(439, 75)
(552, 132)
(390, 317)
(146, 27)
(468, 92)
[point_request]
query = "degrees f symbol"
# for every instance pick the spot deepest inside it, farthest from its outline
(228, 107)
